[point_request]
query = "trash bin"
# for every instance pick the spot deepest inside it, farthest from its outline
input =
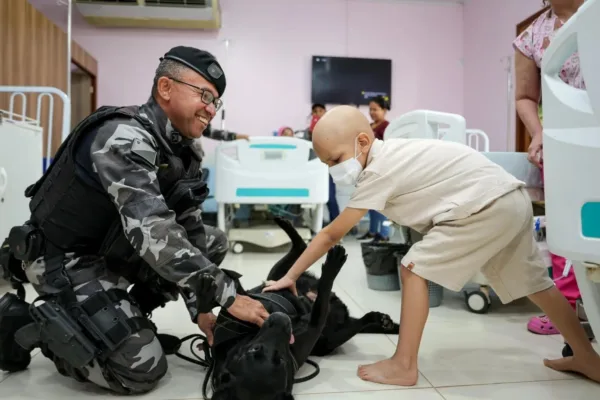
(436, 292)
(381, 265)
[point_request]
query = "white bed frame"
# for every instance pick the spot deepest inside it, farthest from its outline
(22, 158)
(268, 170)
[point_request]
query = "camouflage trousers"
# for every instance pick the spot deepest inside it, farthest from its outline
(139, 363)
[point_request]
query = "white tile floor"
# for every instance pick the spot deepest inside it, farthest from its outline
(463, 355)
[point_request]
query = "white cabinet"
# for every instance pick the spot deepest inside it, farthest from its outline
(20, 166)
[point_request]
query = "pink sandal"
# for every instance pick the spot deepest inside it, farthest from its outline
(542, 326)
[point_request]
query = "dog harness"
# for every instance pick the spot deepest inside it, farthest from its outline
(229, 328)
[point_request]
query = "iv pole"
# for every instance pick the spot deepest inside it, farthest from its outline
(226, 63)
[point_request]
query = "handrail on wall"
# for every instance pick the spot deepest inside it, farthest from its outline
(43, 91)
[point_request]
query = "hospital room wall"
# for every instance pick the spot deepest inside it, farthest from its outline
(271, 44)
(490, 28)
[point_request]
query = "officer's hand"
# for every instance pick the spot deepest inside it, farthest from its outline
(248, 310)
(207, 323)
(240, 136)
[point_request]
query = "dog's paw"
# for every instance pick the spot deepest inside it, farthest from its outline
(384, 321)
(336, 257)
(205, 289)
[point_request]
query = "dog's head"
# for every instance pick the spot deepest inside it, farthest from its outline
(263, 368)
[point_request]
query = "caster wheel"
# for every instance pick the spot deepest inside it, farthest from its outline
(567, 351)
(477, 302)
(237, 248)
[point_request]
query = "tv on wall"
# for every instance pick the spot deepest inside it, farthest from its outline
(346, 80)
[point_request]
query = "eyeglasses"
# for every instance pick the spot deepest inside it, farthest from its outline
(206, 95)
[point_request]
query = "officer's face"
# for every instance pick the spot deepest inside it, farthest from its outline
(188, 110)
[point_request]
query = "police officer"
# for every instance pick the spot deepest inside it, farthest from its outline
(120, 205)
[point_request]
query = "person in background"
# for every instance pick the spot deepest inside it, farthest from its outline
(379, 230)
(529, 50)
(318, 110)
(285, 131)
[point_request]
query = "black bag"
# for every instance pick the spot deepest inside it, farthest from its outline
(380, 257)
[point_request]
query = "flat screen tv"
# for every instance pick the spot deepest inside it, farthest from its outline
(345, 80)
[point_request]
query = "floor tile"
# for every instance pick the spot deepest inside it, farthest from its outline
(411, 394)
(468, 356)
(555, 390)
(485, 352)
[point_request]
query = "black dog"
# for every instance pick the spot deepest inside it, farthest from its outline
(251, 363)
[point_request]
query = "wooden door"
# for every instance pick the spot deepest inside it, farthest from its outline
(82, 96)
(522, 136)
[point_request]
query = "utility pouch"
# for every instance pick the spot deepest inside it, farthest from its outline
(63, 335)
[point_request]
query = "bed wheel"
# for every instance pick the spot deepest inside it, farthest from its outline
(477, 302)
(567, 351)
(237, 248)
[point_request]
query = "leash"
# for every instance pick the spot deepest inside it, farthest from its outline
(309, 376)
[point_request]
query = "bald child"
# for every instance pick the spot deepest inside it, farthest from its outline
(475, 217)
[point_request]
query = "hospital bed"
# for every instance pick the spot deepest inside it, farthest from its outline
(571, 153)
(269, 171)
(18, 131)
(452, 127)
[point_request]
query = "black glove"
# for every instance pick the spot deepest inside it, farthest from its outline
(186, 194)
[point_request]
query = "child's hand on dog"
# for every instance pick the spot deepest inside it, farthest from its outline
(283, 283)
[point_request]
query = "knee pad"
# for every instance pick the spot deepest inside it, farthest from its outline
(14, 315)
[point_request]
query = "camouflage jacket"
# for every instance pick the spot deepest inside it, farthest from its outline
(159, 236)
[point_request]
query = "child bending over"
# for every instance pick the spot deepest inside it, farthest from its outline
(475, 216)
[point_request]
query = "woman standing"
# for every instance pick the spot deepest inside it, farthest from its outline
(379, 229)
(529, 50)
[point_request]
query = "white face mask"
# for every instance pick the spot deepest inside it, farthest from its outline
(346, 173)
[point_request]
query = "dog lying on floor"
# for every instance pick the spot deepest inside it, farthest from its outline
(260, 363)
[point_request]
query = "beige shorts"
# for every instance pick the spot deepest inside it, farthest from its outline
(497, 241)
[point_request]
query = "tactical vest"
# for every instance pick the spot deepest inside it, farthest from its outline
(74, 215)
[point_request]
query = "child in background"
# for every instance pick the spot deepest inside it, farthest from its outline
(285, 131)
(474, 215)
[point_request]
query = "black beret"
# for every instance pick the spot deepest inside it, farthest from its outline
(200, 61)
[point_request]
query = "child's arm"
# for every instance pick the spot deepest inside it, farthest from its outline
(317, 248)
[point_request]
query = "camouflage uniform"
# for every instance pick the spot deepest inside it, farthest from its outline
(170, 245)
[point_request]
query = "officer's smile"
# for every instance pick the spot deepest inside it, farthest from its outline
(203, 121)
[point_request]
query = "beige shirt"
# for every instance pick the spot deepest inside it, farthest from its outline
(420, 182)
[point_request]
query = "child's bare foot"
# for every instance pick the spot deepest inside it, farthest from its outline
(389, 372)
(588, 366)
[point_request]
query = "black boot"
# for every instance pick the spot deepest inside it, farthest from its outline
(14, 314)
